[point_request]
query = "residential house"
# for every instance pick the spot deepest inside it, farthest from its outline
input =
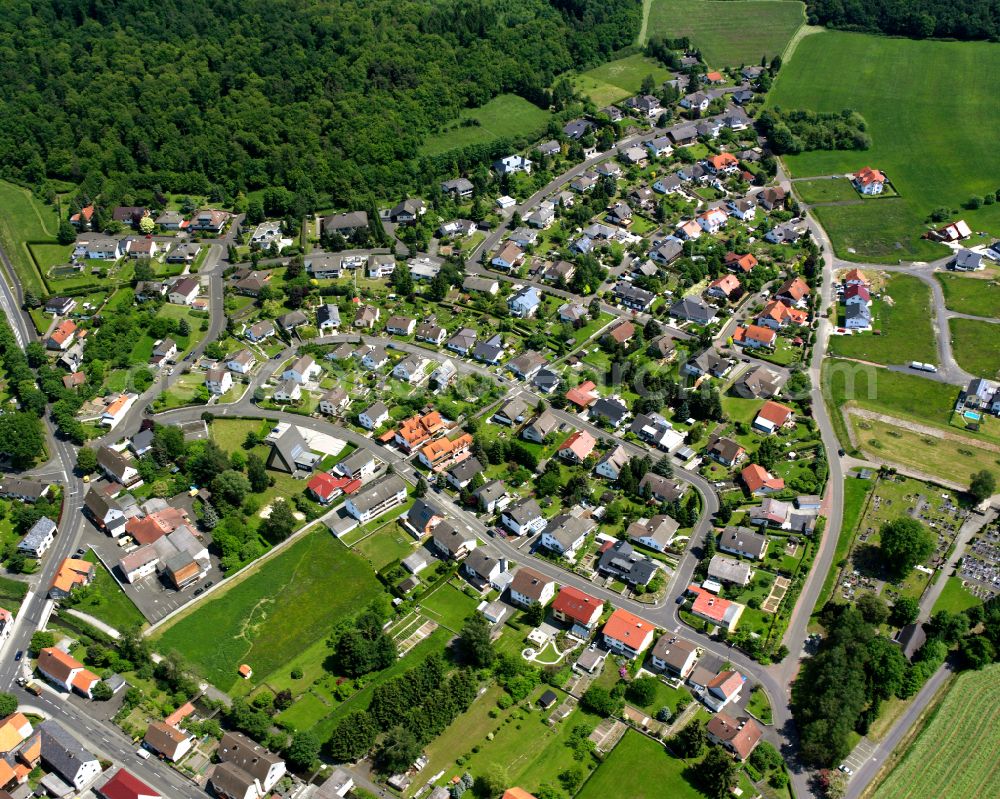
(252, 283)
(61, 754)
(697, 101)
(634, 156)
(674, 655)
(183, 291)
(485, 285)
(659, 147)
(72, 573)
(794, 291)
(577, 128)
(302, 370)
(81, 219)
(715, 609)
(739, 738)
(241, 362)
(633, 297)
(523, 518)
(869, 181)
(377, 498)
(728, 570)
(660, 489)
(452, 543)
(165, 350)
(725, 288)
(785, 233)
(60, 306)
(104, 511)
(755, 337)
(463, 341)
(857, 294)
(620, 213)
(62, 336)
(654, 429)
(443, 374)
(374, 417)
(759, 480)
(512, 412)
(66, 672)
(529, 586)
(509, 257)
(612, 410)
(490, 352)
(712, 221)
(407, 212)
(324, 265)
(621, 561)
(400, 326)
(743, 209)
(689, 230)
(577, 448)
(725, 451)
(266, 768)
(670, 184)
(461, 188)
(583, 395)
(524, 303)
(565, 534)
(778, 315)
(218, 381)
(549, 148)
(366, 316)
(345, 225)
(666, 251)
(416, 430)
(101, 248)
(168, 741)
(228, 781)
(759, 382)
(423, 517)
(723, 163)
(612, 463)
(857, 316)
(655, 533)
(209, 221)
(491, 496)
(740, 263)
(541, 427)
(582, 611)
(693, 309)
(744, 542)
(117, 466)
(289, 390)
(772, 417)
(512, 164)
(443, 451)
(117, 409)
(526, 365)
(627, 634)
(290, 452)
(482, 570)
(259, 331)
(141, 248)
(359, 465)
(773, 197)
(646, 105)
(324, 487)
(39, 538)
(855, 277)
(621, 333)
(431, 333)
(411, 369)
(24, 490)
(125, 786)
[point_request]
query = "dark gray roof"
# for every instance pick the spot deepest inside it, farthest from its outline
(523, 511)
(38, 533)
(376, 493)
(466, 469)
(229, 779)
(421, 512)
(61, 752)
(247, 754)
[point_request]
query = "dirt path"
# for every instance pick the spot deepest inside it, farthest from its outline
(641, 39)
(803, 31)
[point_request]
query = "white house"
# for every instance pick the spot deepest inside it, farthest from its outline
(241, 362)
(524, 518)
(289, 390)
(218, 381)
(512, 164)
(303, 370)
(183, 291)
(374, 417)
(411, 369)
(529, 586)
(116, 410)
(376, 498)
(565, 534)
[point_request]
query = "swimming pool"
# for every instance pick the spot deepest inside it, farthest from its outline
(972, 415)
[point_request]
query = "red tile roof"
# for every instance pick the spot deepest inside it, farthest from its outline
(756, 477)
(868, 176)
(775, 413)
(576, 605)
(627, 628)
(125, 786)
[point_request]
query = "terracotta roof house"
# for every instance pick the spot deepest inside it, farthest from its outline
(581, 610)
(740, 263)
(795, 290)
(72, 572)
(755, 337)
(725, 451)
(759, 480)
(772, 417)
(869, 181)
(583, 395)
(723, 689)
(126, 786)
(738, 737)
(627, 634)
(715, 609)
(577, 447)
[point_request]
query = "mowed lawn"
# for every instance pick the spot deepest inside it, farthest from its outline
(955, 597)
(955, 756)
(976, 346)
(505, 116)
(971, 295)
(926, 104)
(905, 324)
(619, 79)
(639, 768)
(267, 618)
(728, 32)
(825, 190)
(23, 219)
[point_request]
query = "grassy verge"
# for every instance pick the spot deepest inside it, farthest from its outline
(976, 346)
(971, 295)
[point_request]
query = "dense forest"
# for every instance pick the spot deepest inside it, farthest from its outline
(957, 19)
(328, 98)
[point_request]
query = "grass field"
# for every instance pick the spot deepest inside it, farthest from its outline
(905, 325)
(954, 597)
(954, 757)
(728, 33)
(505, 116)
(106, 601)
(976, 346)
(949, 460)
(970, 295)
(619, 79)
(928, 99)
(267, 618)
(24, 219)
(825, 191)
(639, 768)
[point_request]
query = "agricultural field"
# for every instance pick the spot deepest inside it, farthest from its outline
(278, 610)
(639, 769)
(729, 34)
(825, 190)
(24, 219)
(616, 80)
(971, 295)
(927, 97)
(976, 346)
(505, 116)
(955, 755)
(905, 324)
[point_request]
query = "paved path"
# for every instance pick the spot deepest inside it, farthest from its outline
(107, 629)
